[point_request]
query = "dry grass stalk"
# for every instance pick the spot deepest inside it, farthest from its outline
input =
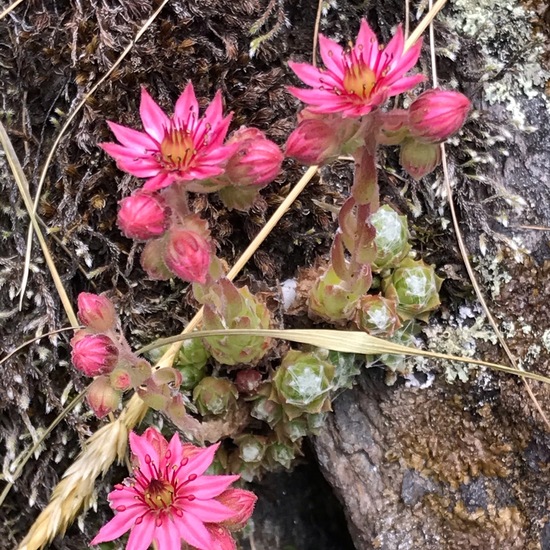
(75, 490)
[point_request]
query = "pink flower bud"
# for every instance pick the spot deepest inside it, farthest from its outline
(142, 216)
(94, 354)
(188, 254)
(121, 379)
(221, 537)
(257, 160)
(96, 312)
(437, 114)
(102, 398)
(242, 503)
(157, 440)
(419, 159)
(313, 142)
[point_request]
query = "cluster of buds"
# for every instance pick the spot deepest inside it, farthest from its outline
(100, 351)
(294, 405)
(345, 99)
(179, 154)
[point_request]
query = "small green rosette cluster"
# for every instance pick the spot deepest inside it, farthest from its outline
(334, 299)
(191, 362)
(302, 384)
(392, 238)
(415, 288)
(215, 396)
(377, 315)
(228, 307)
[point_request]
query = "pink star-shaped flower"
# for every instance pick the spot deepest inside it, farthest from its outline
(357, 80)
(168, 499)
(183, 147)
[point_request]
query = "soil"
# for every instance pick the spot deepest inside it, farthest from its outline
(462, 466)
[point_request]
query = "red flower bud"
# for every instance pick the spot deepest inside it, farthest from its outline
(312, 143)
(102, 398)
(96, 312)
(94, 354)
(188, 255)
(257, 160)
(242, 503)
(142, 216)
(437, 114)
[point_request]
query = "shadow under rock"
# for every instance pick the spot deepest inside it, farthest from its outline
(298, 511)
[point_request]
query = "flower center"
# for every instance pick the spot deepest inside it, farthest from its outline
(159, 494)
(177, 149)
(359, 80)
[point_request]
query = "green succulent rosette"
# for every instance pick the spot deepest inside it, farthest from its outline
(415, 288)
(392, 238)
(303, 383)
(377, 315)
(252, 448)
(231, 308)
(191, 362)
(333, 299)
(266, 410)
(346, 369)
(294, 430)
(214, 396)
(282, 454)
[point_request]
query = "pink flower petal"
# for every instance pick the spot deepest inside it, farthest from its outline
(329, 102)
(141, 168)
(193, 531)
(209, 486)
(366, 44)
(159, 181)
(144, 451)
(174, 451)
(307, 73)
(199, 463)
(208, 511)
(408, 61)
(141, 536)
(125, 497)
(186, 111)
(391, 56)
(405, 84)
(331, 54)
(219, 132)
(120, 151)
(214, 111)
(202, 172)
(167, 535)
(153, 117)
(140, 141)
(116, 527)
